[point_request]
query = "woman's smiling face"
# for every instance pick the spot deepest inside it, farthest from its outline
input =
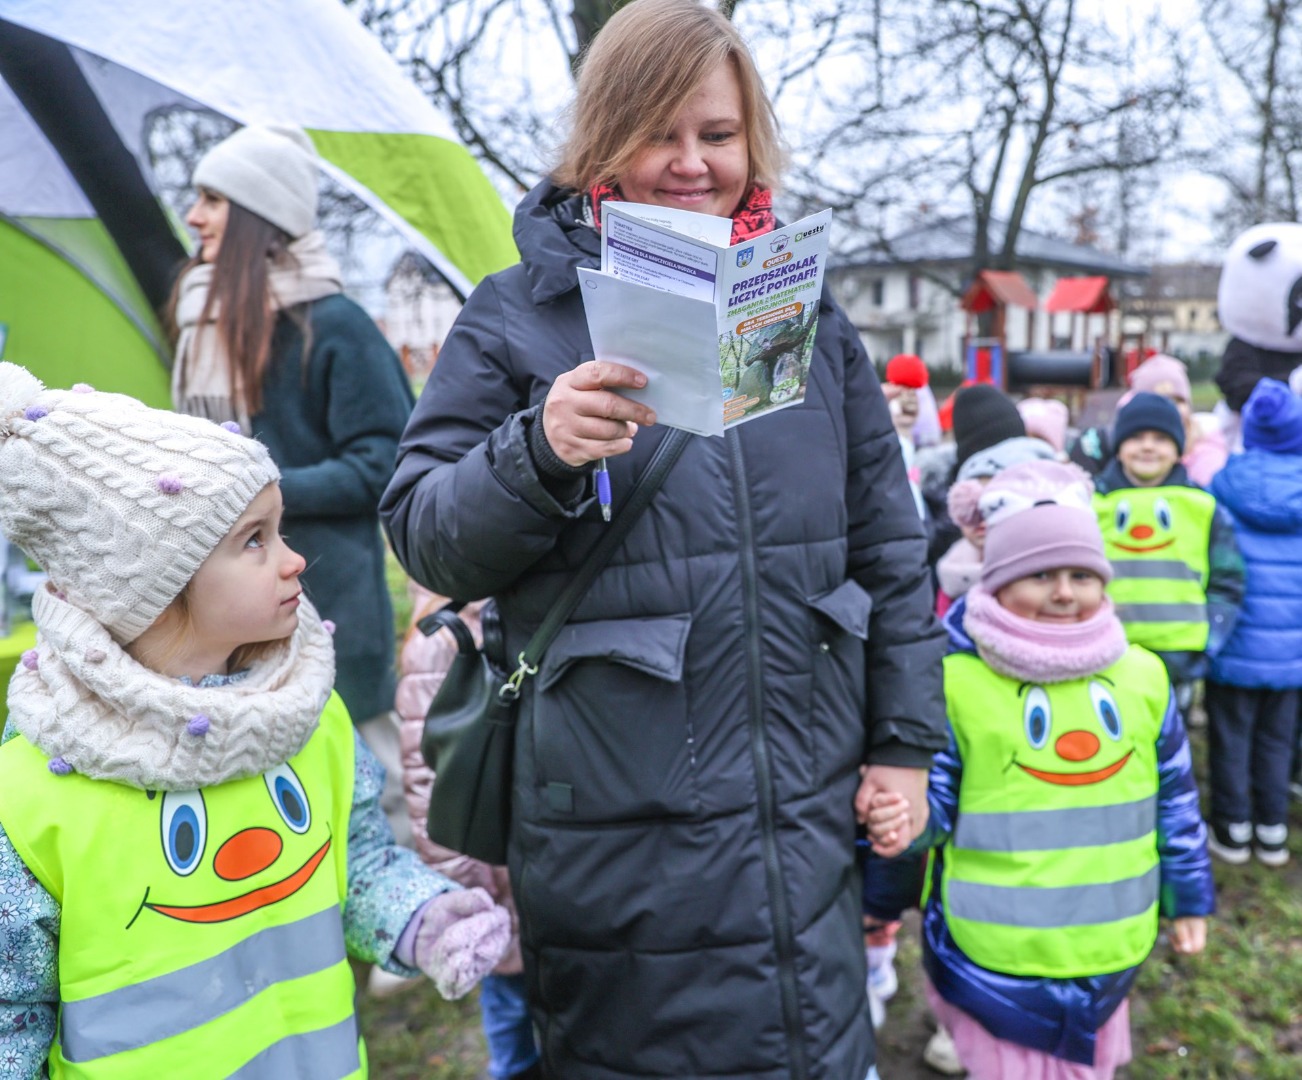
(703, 162)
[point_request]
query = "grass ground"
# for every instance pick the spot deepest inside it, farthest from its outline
(1234, 1012)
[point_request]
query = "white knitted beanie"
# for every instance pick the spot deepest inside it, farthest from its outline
(119, 503)
(268, 169)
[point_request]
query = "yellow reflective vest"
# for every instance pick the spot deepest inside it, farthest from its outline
(1052, 868)
(201, 932)
(1157, 540)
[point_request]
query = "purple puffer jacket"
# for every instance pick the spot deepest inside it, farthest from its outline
(422, 664)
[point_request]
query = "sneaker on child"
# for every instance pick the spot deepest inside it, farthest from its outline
(1271, 844)
(942, 1055)
(1231, 842)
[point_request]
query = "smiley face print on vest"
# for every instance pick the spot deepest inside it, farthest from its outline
(1141, 529)
(1074, 750)
(232, 850)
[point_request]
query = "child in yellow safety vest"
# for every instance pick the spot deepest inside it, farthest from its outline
(1064, 807)
(1178, 577)
(191, 843)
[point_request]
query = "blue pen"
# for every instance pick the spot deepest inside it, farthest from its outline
(603, 488)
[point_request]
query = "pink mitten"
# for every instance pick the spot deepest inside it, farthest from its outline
(461, 938)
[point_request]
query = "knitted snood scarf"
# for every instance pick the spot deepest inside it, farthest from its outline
(1042, 652)
(82, 700)
(753, 218)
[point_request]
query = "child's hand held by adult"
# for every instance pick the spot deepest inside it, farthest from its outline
(462, 936)
(888, 820)
(908, 784)
(583, 417)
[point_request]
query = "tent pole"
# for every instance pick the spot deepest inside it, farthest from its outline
(46, 78)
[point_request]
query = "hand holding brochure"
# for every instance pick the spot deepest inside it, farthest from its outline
(723, 333)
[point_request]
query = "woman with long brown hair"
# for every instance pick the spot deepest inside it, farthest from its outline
(688, 756)
(266, 339)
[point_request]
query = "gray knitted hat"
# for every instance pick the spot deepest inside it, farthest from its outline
(268, 169)
(119, 503)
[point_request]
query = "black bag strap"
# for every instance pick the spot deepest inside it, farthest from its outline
(664, 459)
(447, 616)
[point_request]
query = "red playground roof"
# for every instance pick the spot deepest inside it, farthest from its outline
(994, 287)
(1084, 294)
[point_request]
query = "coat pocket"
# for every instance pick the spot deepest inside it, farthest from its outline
(840, 697)
(611, 733)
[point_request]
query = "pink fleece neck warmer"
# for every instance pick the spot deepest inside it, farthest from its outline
(1042, 652)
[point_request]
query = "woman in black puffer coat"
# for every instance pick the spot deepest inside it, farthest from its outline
(689, 755)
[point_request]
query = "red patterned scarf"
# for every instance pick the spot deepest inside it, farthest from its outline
(753, 218)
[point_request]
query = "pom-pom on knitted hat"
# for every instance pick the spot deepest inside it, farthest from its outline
(983, 415)
(1148, 412)
(1272, 419)
(907, 370)
(269, 169)
(1039, 517)
(119, 503)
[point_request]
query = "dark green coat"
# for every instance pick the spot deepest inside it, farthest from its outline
(333, 430)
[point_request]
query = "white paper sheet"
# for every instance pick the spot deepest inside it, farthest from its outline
(671, 339)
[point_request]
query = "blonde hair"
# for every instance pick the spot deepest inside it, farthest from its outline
(635, 76)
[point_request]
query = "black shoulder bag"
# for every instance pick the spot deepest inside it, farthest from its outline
(469, 736)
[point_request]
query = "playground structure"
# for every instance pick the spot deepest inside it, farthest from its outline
(1087, 362)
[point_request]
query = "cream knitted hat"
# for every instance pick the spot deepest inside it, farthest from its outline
(119, 503)
(269, 169)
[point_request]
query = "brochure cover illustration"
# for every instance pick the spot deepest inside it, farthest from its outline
(724, 333)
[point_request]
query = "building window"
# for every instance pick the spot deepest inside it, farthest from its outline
(915, 287)
(878, 292)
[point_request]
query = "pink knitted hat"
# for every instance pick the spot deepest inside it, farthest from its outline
(1039, 517)
(1045, 418)
(1164, 375)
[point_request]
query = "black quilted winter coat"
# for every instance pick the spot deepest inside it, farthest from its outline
(683, 836)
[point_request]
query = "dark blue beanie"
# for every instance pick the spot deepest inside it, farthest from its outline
(1272, 419)
(1148, 412)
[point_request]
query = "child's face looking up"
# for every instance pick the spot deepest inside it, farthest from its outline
(245, 592)
(1148, 458)
(1066, 595)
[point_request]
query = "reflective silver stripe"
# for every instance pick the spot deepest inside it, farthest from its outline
(1056, 830)
(327, 1054)
(1042, 909)
(180, 1001)
(1166, 569)
(1162, 612)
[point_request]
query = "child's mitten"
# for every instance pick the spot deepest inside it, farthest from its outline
(461, 937)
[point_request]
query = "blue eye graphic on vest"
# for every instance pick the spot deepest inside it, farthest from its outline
(185, 830)
(1140, 529)
(243, 846)
(1038, 716)
(1078, 746)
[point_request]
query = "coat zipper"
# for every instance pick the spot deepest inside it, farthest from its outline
(783, 936)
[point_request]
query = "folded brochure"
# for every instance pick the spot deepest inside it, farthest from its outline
(723, 332)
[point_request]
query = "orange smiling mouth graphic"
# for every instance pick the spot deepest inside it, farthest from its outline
(1137, 550)
(236, 906)
(1076, 778)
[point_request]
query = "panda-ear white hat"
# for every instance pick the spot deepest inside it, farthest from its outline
(269, 169)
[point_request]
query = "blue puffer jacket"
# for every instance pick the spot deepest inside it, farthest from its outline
(1263, 493)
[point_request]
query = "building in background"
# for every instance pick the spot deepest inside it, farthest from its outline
(1176, 309)
(905, 299)
(419, 309)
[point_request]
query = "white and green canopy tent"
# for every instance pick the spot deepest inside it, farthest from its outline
(87, 252)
